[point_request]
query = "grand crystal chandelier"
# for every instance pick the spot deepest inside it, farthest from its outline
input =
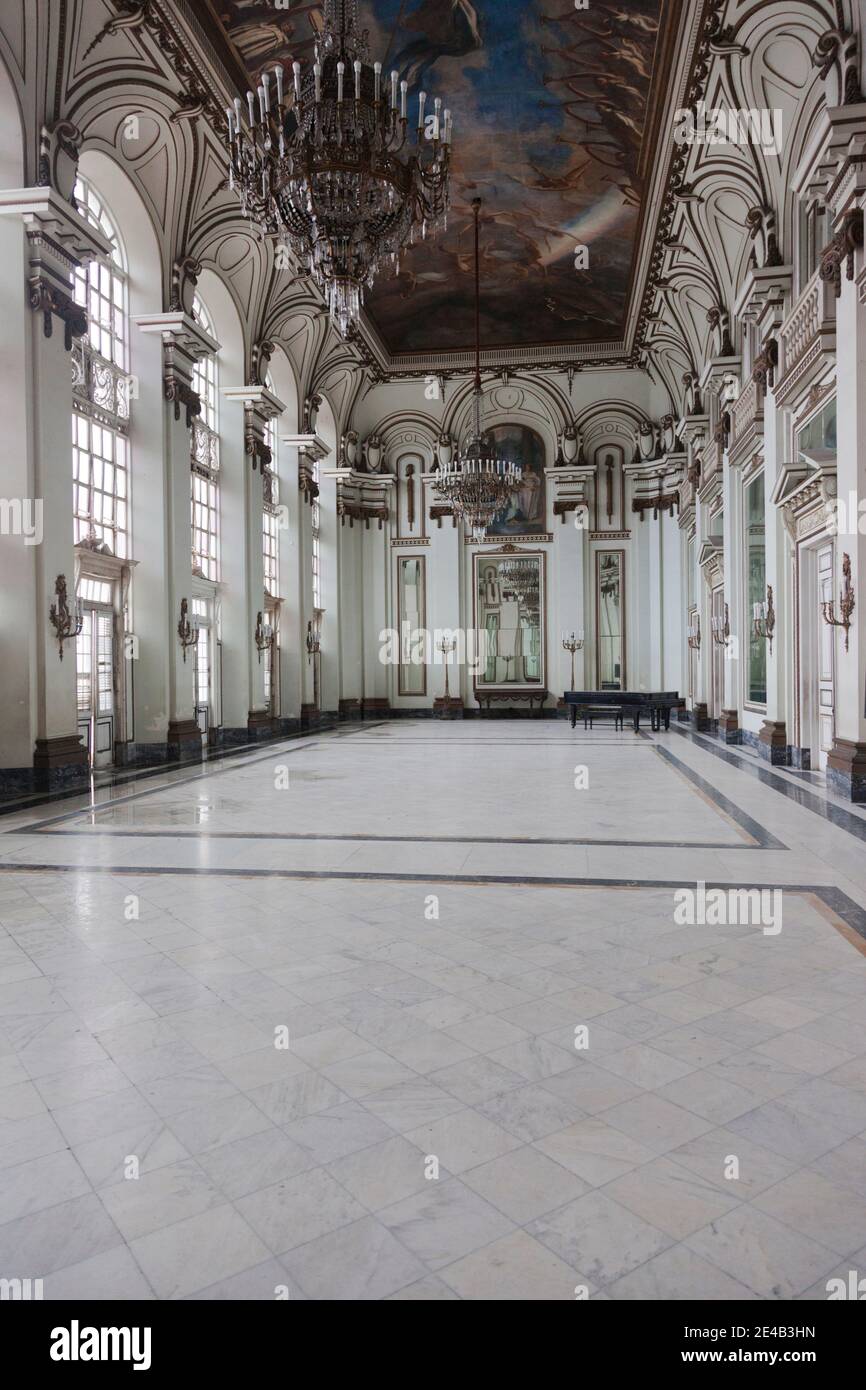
(327, 163)
(476, 483)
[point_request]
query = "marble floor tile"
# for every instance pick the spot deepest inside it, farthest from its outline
(361, 1261)
(524, 1183)
(514, 1268)
(759, 1251)
(385, 1173)
(140, 1205)
(299, 1209)
(599, 1237)
(444, 1222)
(202, 1250)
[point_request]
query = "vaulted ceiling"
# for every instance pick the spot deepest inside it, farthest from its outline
(555, 109)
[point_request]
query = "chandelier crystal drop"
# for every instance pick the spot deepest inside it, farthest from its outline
(324, 160)
(476, 483)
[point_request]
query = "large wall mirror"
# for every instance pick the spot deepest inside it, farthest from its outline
(410, 589)
(509, 618)
(756, 573)
(610, 618)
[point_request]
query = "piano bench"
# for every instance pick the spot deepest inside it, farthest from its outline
(590, 712)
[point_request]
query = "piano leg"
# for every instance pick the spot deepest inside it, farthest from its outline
(574, 716)
(637, 719)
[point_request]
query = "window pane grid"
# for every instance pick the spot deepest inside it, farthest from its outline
(100, 471)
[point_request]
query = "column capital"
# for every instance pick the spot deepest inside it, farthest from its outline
(310, 445)
(257, 398)
(184, 342)
(260, 405)
(59, 241)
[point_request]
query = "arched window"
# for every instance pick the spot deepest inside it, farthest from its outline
(102, 388)
(205, 460)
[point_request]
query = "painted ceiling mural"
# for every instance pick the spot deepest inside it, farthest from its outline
(550, 106)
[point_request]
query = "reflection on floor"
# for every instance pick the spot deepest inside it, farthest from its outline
(517, 1065)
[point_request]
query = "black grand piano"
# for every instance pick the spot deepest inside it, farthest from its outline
(600, 704)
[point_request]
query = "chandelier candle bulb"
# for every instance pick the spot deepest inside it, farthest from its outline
(296, 70)
(437, 108)
(317, 78)
(393, 91)
(278, 76)
(251, 106)
(341, 71)
(377, 73)
(266, 87)
(231, 120)
(358, 70)
(404, 100)
(422, 100)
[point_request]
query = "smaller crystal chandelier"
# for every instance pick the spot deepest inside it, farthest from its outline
(476, 483)
(521, 576)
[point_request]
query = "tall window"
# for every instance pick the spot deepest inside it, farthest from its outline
(101, 389)
(205, 461)
(270, 512)
(317, 543)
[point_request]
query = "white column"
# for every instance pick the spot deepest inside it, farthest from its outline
(846, 766)
(37, 484)
(165, 709)
(245, 713)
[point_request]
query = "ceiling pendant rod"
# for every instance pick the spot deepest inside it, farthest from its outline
(476, 204)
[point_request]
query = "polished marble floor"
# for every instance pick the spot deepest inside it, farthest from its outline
(405, 1011)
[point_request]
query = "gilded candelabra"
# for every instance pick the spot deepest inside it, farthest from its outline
(572, 643)
(446, 648)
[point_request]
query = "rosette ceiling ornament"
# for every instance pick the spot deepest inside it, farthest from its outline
(476, 483)
(325, 161)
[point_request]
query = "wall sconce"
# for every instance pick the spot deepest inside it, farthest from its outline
(764, 618)
(694, 634)
(66, 623)
(264, 636)
(571, 642)
(846, 601)
(314, 643)
(722, 628)
(186, 630)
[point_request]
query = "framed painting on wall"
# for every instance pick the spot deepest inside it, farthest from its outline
(526, 511)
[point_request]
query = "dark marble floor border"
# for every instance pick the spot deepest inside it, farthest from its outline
(765, 839)
(839, 903)
(801, 796)
(100, 833)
